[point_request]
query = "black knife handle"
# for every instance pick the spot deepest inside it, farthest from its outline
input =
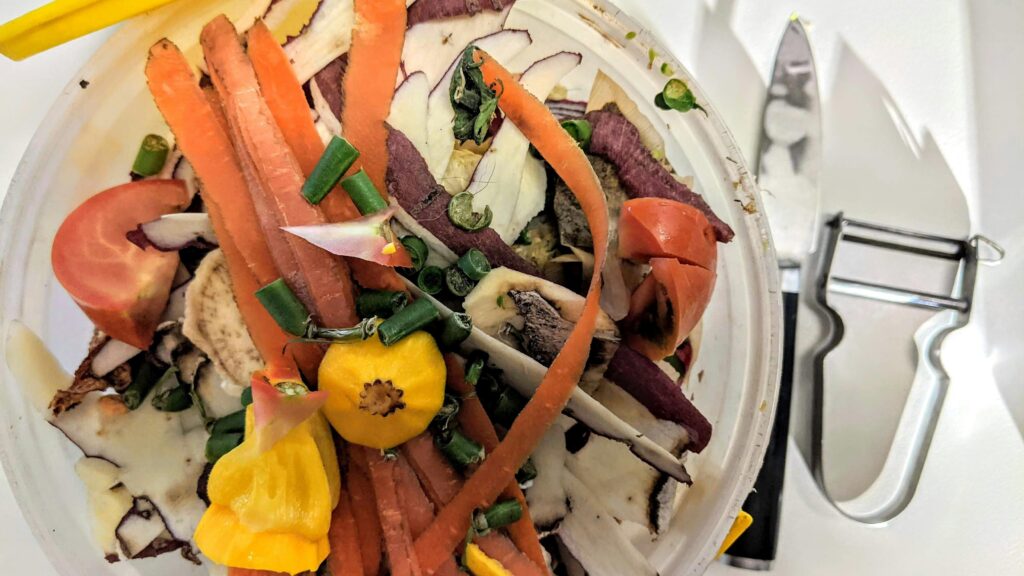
(756, 548)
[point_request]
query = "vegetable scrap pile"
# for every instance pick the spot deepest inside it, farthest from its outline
(388, 314)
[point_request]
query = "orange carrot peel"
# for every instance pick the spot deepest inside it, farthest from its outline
(562, 153)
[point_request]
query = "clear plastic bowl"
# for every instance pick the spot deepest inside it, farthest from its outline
(87, 143)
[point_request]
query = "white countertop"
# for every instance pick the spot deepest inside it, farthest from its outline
(924, 105)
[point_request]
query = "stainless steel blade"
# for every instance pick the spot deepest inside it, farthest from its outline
(789, 162)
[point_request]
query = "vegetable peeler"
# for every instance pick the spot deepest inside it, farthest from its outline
(894, 488)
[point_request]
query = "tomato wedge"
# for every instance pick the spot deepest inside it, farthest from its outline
(666, 306)
(122, 288)
(660, 228)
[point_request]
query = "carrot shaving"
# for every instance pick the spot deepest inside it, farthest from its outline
(201, 132)
(364, 510)
(262, 149)
(398, 539)
(477, 425)
(346, 558)
(440, 480)
(373, 64)
(562, 153)
(287, 103)
(419, 510)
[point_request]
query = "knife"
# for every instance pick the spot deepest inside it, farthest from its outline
(789, 164)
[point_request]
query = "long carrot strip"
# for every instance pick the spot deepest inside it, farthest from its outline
(346, 559)
(202, 137)
(534, 120)
(477, 425)
(364, 509)
(419, 509)
(373, 64)
(398, 539)
(257, 136)
(287, 103)
(439, 479)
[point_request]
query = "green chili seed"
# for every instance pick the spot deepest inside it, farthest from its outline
(220, 444)
(337, 158)
(152, 155)
(460, 212)
(666, 69)
(364, 194)
(455, 330)
(430, 280)
(382, 303)
(497, 516)
(246, 397)
(459, 449)
(284, 307)
(474, 264)
(146, 377)
(417, 249)
(457, 282)
(413, 317)
(234, 422)
(630, 35)
(580, 130)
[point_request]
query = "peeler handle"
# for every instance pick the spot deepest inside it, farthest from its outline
(893, 489)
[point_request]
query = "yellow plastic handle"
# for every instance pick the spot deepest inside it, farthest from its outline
(63, 20)
(739, 526)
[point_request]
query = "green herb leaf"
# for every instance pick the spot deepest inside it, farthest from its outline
(475, 102)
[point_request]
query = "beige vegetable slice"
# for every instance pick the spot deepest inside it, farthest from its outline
(214, 324)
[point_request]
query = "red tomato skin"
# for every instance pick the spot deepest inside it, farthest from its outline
(122, 288)
(660, 228)
(668, 304)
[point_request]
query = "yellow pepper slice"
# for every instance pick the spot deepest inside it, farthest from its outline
(271, 510)
(481, 564)
(63, 20)
(380, 396)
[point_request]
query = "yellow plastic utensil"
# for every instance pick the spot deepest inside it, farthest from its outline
(63, 20)
(739, 526)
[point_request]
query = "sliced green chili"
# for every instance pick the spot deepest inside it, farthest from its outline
(417, 250)
(526, 474)
(366, 328)
(474, 367)
(474, 264)
(507, 406)
(460, 449)
(220, 444)
(457, 282)
(284, 307)
(152, 155)
(337, 158)
(676, 96)
(364, 194)
(246, 397)
(497, 516)
(146, 377)
(580, 130)
(382, 303)
(170, 394)
(430, 280)
(234, 422)
(413, 317)
(460, 212)
(455, 330)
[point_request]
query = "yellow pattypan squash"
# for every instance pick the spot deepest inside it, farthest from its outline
(380, 396)
(480, 564)
(271, 510)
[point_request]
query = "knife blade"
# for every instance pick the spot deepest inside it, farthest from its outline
(789, 167)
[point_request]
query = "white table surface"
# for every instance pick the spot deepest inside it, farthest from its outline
(924, 105)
